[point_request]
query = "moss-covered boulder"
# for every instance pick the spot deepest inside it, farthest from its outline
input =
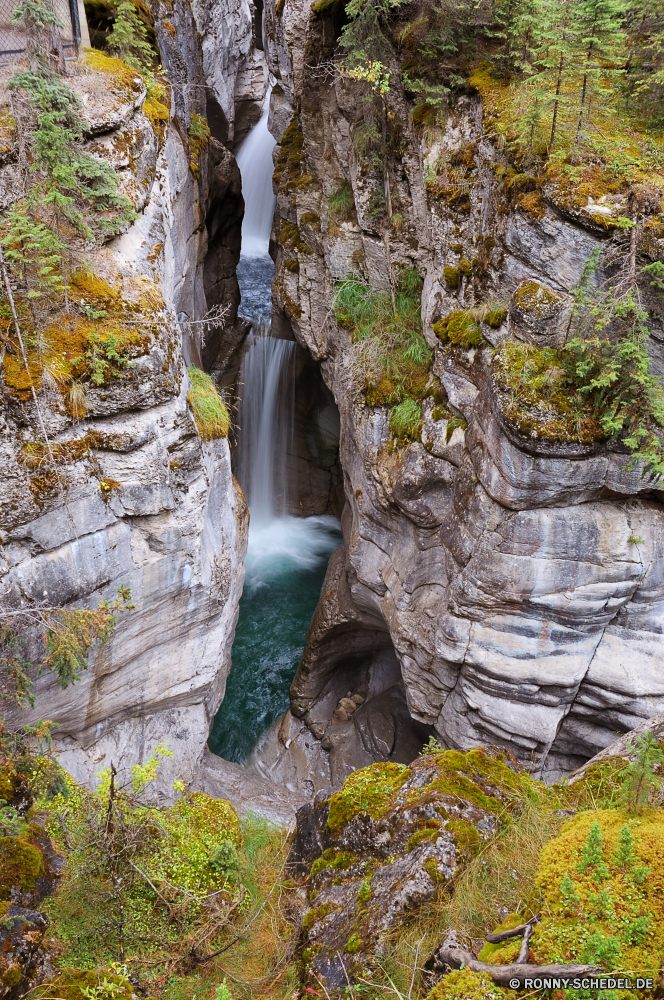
(386, 840)
(536, 314)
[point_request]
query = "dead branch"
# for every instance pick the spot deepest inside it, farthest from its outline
(451, 955)
(514, 932)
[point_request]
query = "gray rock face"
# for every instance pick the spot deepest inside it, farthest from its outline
(138, 499)
(512, 583)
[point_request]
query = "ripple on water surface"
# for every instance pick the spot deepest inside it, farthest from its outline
(285, 567)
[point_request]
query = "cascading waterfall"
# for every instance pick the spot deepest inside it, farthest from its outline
(286, 556)
(266, 424)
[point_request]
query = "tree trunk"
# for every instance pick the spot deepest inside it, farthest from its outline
(555, 103)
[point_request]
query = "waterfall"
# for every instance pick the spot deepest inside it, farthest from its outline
(265, 419)
(286, 556)
(254, 158)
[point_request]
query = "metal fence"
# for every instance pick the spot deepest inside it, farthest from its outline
(73, 30)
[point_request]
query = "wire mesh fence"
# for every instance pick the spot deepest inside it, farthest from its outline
(73, 29)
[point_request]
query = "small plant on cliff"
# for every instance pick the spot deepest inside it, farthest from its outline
(210, 411)
(67, 634)
(392, 358)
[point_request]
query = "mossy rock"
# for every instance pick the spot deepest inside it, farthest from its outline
(462, 984)
(452, 276)
(366, 792)
(460, 327)
(21, 864)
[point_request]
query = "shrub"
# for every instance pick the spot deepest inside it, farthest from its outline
(392, 358)
(210, 411)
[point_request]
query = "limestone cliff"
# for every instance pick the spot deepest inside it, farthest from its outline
(498, 582)
(130, 494)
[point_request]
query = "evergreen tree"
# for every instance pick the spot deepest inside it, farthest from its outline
(599, 30)
(640, 779)
(129, 38)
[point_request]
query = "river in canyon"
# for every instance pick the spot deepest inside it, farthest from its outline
(287, 556)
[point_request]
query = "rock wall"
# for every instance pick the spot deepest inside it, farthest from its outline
(497, 568)
(137, 498)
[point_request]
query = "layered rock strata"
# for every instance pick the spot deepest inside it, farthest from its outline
(512, 575)
(137, 498)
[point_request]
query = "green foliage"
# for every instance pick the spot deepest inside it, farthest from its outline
(460, 327)
(591, 855)
(210, 411)
(68, 634)
(223, 856)
(129, 38)
(222, 992)
(599, 385)
(341, 202)
(640, 780)
(405, 420)
(392, 358)
(431, 746)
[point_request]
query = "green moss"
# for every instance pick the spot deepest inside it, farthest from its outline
(452, 425)
(462, 984)
(21, 864)
(210, 411)
(321, 6)
(199, 139)
(466, 837)
(310, 219)
(366, 792)
(495, 317)
(364, 894)
(290, 238)
(490, 950)
(430, 866)
(354, 944)
(333, 859)
(430, 832)
(532, 298)
(452, 276)
(292, 264)
(459, 327)
(610, 912)
(71, 983)
(465, 266)
(313, 916)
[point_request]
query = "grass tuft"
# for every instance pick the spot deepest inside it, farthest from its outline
(210, 411)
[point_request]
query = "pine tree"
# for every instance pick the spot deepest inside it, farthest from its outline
(644, 68)
(554, 56)
(640, 779)
(600, 37)
(129, 38)
(591, 854)
(39, 21)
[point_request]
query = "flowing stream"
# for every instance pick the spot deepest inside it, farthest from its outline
(287, 556)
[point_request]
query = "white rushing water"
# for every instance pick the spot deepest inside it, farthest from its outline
(254, 158)
(287, 556)
(265, 419)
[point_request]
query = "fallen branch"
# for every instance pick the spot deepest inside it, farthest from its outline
(452, 955)
(514, 932)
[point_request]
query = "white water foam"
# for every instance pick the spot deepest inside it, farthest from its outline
(288, 543)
